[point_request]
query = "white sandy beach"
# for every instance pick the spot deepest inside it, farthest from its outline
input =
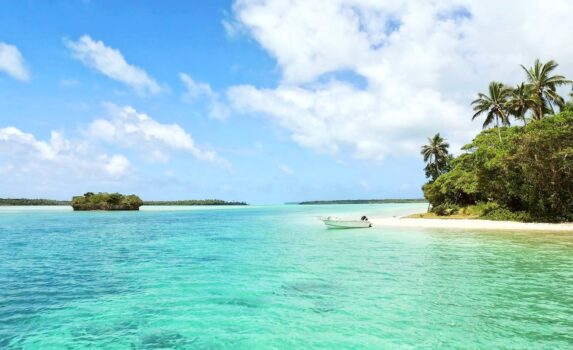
(468, 224)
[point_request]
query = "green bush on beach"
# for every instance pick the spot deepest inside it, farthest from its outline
(518, 173)
(531, 172)
(106, 201)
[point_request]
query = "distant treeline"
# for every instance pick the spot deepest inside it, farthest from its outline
(26, 201)
(367, 201)
(194, 202)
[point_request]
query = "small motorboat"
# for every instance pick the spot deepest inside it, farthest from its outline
(334, 222)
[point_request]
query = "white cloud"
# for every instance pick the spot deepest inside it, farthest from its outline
(378, 77)
(60, 166)
(197, 90)
(12, 62)
(111, 63)
(364, 184)
(115, 165)
(285, 169)
(129, 128)
(57, 158)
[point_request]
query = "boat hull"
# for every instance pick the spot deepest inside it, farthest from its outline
(347, 223)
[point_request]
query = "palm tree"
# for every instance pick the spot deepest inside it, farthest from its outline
(544, 87)
(521, 101)
(494, 104)
(436, 155)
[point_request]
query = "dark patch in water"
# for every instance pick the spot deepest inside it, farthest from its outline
(163, 340)
(226, 239)
(322, 309)
(240, 302)
(208, 258)
(307, 289)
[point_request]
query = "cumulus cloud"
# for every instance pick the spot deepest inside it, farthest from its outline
(378, 77)
(196, 91)
(111, 63)
(12, 62)
(128, 128)
(91, 158)
(26, 155)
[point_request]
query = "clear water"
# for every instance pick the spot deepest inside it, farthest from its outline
(275, 278)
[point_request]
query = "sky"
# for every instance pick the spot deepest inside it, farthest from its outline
(264, 101)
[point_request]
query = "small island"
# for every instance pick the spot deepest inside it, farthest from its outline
(106, 201)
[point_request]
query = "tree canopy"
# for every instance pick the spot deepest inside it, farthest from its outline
(436, 155)
(106, 201)
(530, 173)
(515, 172)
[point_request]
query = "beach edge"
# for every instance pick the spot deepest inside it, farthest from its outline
(470, 224)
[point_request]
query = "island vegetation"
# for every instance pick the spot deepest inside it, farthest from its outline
(106, 201)
(27, 201)
(194, 202)
(366, 201)
(522, 172)
(31, 202)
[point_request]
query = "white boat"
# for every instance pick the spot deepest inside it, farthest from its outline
(333, 222)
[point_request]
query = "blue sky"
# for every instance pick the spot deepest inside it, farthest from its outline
(283, 101)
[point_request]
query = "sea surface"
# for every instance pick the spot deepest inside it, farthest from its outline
(273, 277)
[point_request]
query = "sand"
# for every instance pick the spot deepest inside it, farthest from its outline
(468, 224)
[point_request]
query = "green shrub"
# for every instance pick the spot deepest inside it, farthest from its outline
(106, 201)
(446, 209)
(504, 214)
(479, 209)
(530, 171)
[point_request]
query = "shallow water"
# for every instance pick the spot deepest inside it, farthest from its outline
(274, 277)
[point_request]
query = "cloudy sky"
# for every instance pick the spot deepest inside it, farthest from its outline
(266, 101)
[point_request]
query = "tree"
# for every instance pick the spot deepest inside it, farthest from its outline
(521, 101)
(436, 156)
(106, 201)
(528, 177)
(494, 105)
(544, 86)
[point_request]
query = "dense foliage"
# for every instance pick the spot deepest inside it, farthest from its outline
(366, 201)
(530, 174)
(194, 202)
(26, 201)
(512, 173)
(106, 201)
(437, 157)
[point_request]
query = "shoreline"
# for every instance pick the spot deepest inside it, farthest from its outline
(470, 224)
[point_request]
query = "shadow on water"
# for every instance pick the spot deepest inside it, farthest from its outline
(163, 339)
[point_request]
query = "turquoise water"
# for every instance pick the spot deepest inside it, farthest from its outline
(275, 278)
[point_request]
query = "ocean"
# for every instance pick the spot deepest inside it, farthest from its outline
(273, 277)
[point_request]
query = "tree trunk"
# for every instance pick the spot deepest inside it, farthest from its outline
(498, 131)
(541, 104)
